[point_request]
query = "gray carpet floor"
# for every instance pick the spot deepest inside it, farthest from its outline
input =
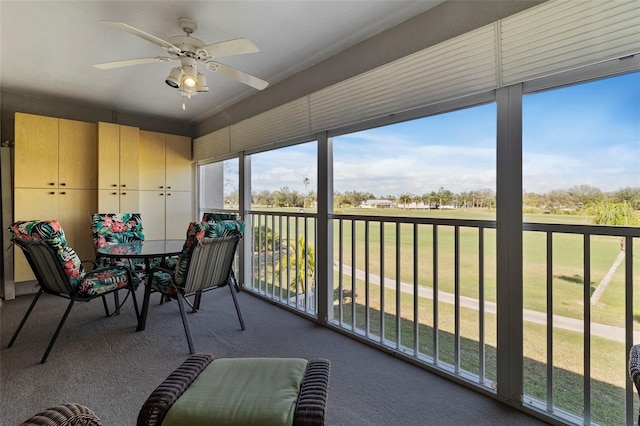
(106, 365)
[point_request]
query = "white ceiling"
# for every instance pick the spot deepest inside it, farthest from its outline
(48, 48)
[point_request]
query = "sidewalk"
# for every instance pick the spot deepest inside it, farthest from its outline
(597, 330)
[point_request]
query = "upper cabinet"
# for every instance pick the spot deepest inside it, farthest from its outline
(118, 168)
(63, 153)
(165, 162)
(165, 184)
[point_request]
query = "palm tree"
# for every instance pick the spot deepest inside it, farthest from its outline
(306, 183)
(617, 214)
(302, 261)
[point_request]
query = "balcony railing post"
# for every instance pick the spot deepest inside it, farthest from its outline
(324, 256)
(509, 244)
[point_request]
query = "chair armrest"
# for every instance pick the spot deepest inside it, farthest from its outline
(69, 414)
(312, 401)
(167, 393)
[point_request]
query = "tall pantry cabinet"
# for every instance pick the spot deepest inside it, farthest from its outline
(55, 178)
(165, 185)
(118, 178)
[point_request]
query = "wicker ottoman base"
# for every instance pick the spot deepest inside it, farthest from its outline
(309, 400)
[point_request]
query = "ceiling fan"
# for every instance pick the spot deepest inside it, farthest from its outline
(189, 51)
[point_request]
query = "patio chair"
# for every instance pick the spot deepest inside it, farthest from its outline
(218, 216)
(240, 391)
(59, 272)
(117, 228)
(204, 264)
(69, 414)
(634, 370)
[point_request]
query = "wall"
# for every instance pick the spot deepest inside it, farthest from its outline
(10, 103)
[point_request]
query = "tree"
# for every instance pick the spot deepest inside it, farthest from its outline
(305, 181)
(302, 262)
(616, 214)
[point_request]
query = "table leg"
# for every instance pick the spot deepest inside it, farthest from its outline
(142, 322)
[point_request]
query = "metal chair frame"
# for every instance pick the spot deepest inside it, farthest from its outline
(52, 280)
(209, 268)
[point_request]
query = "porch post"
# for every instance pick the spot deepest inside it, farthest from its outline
(244, 206)
(324, 254)
(509, 244)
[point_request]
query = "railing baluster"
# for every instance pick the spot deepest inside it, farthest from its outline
(382, 282)
(340, 270)
(416, 292)
(353, 275)
(550, 377)
(456, 292)
(587, 329)
(628, 325)
(398, 279)
(367, 296)
(481, 297)
(436, 343)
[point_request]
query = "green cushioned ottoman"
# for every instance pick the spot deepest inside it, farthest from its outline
(207, 391)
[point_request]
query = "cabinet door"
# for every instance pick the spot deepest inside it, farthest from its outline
(108, 156)
(152, 161)
(178, 214)
(153, 214)
(36, 151)
(178, 163)
(32, 204)
(129, 202)
(108, 201)
(77, 154)
(129, 158)
(75, 209)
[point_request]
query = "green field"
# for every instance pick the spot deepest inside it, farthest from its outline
(607, 358)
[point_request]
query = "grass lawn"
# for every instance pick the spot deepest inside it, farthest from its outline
(607, 358)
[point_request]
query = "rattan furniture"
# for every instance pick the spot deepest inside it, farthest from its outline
(238, 395)
(70, 414)
(634, 369)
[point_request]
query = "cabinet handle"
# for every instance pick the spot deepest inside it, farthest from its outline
(124, 186)
(168, 187)
(115, 185)
(51, 193)
(63, 193)
(114, 193)
(161, 187)
(52, 183)
(124, 193)
(168, 195)
(62, 184)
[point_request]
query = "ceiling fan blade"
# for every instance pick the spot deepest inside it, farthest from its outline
(136, 32)
(128, 62)
(236, 46)
(236, 74)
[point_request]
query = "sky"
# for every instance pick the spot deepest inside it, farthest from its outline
(584, 134)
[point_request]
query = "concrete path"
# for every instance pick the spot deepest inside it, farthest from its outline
(599, 330)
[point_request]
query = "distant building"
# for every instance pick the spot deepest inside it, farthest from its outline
(380, 204)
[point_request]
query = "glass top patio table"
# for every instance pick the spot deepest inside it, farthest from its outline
(147, 250)
(142, 249)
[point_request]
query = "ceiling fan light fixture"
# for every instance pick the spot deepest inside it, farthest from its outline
(202, 83)
(174, 78)
(189, 76)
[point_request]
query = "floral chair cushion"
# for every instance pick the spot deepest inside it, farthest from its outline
(110, 228)
(168, 283)
(97, 281)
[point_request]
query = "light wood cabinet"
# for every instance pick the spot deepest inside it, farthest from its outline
(55, 178)
(165, 185)
(118, 168)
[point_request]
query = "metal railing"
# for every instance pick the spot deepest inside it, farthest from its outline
(425, 289)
